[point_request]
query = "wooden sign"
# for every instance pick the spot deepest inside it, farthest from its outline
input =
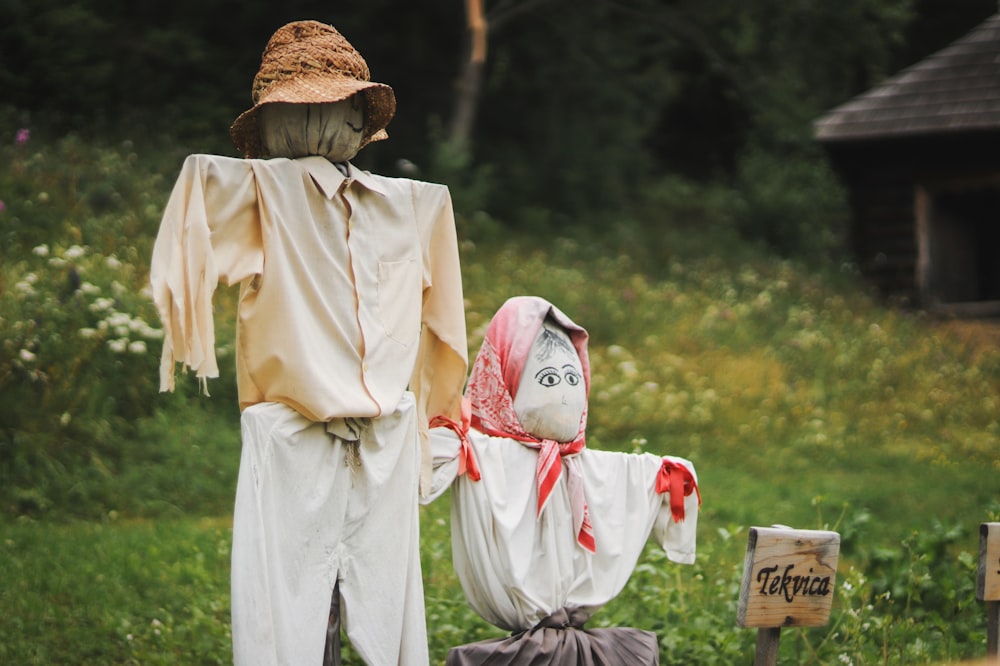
(988, 583)
(788, 577)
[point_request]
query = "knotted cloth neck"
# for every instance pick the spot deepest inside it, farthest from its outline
(492, 387)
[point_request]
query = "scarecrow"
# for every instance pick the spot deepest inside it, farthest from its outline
(544, 530)
(351, 329)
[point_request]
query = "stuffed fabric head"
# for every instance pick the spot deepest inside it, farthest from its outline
(551, 395)
(496, 378)
(333, 130)
(308, 62)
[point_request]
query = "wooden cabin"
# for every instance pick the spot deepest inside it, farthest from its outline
(920, 158)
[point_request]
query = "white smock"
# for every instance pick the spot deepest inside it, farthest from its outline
(516, 567)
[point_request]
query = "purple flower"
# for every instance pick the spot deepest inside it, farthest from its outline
(22, 136)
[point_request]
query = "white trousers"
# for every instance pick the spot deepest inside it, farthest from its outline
(312, 509)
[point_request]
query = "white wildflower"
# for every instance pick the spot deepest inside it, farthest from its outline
(151, 333)
(65, 419)
(57, 262)
(118, 345)
(117, 319)
(101, 304)
(24, 287)
(88, 332)
(90, 288)
(27, 356)
(74, 252)
(40, 250)
(117, 288)
(137, 347)
(112, 262)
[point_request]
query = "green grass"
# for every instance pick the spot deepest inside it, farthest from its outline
(115, 593)
(801, 399)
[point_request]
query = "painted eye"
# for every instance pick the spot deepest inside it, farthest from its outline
(547, 377)
(572, 378)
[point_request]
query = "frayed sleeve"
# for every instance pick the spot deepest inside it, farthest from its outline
(210, 231)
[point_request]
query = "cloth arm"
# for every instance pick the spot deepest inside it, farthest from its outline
(442, 357)
(445, 446)
(210, 231)
(677, 536)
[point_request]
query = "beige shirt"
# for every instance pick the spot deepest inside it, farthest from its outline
(350, 286)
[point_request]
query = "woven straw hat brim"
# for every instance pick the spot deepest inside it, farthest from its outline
(380, 106)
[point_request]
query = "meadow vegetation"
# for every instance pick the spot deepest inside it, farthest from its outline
(802, 399)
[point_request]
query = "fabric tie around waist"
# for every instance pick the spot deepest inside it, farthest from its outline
(563, 618)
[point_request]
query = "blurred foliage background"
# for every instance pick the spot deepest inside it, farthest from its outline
(581, 107)
(646, 165)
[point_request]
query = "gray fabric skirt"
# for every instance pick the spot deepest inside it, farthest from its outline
(561, 640)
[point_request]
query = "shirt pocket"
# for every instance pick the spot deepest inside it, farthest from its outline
(400, 298)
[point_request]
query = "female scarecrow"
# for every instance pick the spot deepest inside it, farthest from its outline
(544, 530)
(351, 330)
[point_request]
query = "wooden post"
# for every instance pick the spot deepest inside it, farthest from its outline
(788, 581)
(767, 646)
(988, 585)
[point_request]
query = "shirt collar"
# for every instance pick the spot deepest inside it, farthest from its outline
(329, 178)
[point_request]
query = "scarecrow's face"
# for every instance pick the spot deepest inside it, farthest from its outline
(332, 130)
(552, 395)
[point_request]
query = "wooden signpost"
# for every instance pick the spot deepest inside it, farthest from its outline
(788, 581)
(988, 584)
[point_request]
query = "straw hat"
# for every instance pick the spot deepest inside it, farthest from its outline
(310, 62)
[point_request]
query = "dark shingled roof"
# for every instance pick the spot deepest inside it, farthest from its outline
(954, 90)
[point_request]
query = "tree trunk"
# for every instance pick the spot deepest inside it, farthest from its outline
(468, 83)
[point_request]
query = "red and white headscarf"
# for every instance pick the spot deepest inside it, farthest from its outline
(492, 388)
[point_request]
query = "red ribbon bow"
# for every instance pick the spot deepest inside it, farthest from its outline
(672, 477)
(466, 459)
